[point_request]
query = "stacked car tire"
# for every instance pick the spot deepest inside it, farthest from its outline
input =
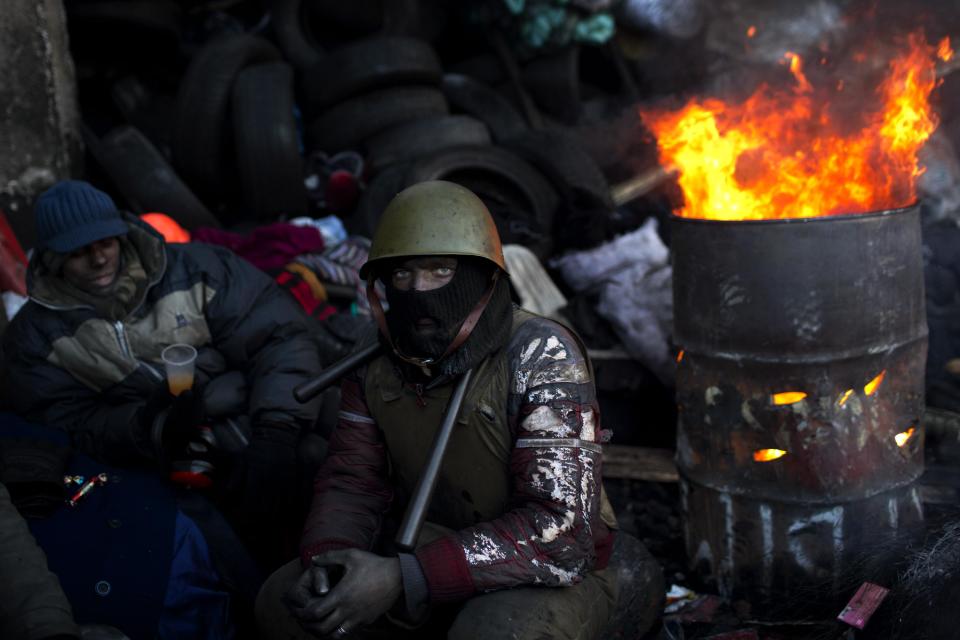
(325, 77)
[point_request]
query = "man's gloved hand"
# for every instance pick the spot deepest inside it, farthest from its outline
(313, 583)
(183, 418)
(169, 422)
(370, 586)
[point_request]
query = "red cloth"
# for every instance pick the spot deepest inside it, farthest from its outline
(271, 247)
(314, 306)
(13, 262)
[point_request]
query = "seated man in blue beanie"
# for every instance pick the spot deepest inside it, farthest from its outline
(107, 295)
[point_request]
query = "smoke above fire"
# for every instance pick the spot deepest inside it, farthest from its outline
(839, 134)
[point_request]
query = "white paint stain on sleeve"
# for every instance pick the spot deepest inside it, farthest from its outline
(556, 477)
(559, 373)
(529, 350)
(554, 349)
(520, 380)
(554, 529)
(564, 577)
(545, 421)
(543, 395)
(588, 488)
(588, 427)
(483, 550)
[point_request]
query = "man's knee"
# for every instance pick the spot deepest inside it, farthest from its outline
(540, 613)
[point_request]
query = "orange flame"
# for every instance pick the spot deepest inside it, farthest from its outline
(796, 68)
(788, 397)
(902, 438)
(871, 387)
(944, 51)
(785, 154)
(751, 31)
(766, 455)
(680, 356)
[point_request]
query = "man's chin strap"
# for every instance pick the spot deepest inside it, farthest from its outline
(465, 329)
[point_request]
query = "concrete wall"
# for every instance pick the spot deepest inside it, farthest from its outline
(39, 122)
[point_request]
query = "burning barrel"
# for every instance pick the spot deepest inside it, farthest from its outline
(800, 391)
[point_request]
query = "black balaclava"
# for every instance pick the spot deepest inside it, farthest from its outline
(449, 306)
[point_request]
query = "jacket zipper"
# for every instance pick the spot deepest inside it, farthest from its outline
(125, 347)
(121, 338)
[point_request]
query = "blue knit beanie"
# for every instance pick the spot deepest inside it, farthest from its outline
(72, 214)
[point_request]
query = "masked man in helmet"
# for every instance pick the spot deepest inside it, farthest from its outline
(517, 537)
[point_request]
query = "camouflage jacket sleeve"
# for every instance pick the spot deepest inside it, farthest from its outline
(550, 533)
(351, 490)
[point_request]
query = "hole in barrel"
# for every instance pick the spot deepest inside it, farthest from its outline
(788, 397)
(903, 437)
(872, 386)
(766, 455)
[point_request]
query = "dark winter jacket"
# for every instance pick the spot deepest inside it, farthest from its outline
(520, 484)
(67, 367)
(32, 604)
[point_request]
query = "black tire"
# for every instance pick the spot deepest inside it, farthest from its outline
(336, 23)
(199, 130)
(349, 123)
(471, 96)
(287, 18)
(146, 179)
(553, 81)
(573, 172)
(379, 192)
(160, 17)
(265, 139)
(411, 140)
(149, 111)
(365, 65)
(583, 217)
(485, 68)
(520, 199)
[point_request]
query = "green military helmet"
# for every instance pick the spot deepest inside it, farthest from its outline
(435, 218)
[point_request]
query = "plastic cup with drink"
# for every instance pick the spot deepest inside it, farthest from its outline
(179, 361)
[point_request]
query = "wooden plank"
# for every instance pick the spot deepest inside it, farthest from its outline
(639, 463)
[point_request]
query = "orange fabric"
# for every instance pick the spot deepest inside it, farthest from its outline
(169, 228)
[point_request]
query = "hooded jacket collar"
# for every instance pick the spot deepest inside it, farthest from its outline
(149, 246)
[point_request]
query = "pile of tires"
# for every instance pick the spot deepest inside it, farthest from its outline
(234, 125)
(260, 93)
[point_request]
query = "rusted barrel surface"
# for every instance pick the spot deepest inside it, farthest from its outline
(800, 389)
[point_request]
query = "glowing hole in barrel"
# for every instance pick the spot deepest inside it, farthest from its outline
(902, 438)
(680, 355)
(871, 386)
(846, 396)
(766, 455)
(788, 397)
